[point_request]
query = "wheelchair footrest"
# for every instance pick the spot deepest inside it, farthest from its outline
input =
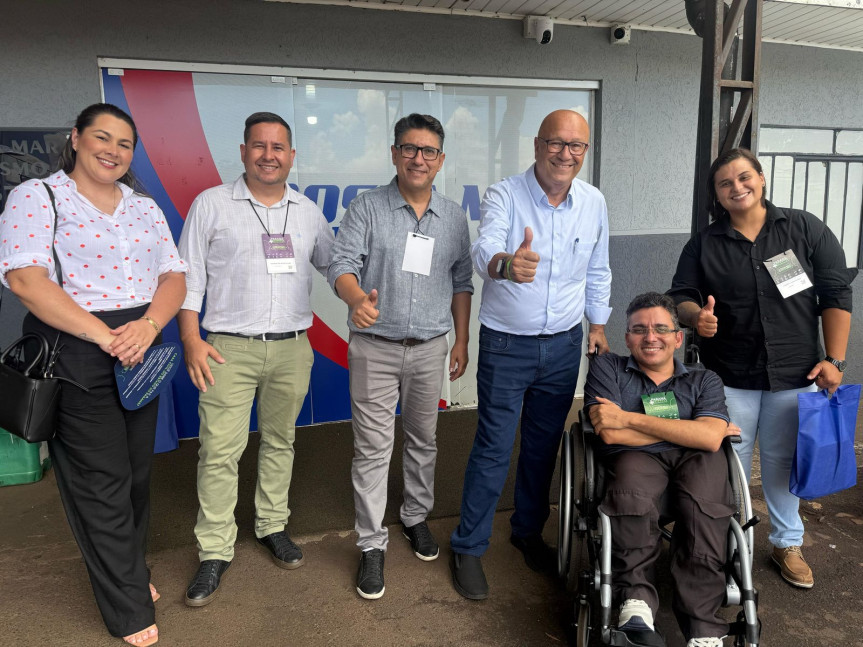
(636, 638)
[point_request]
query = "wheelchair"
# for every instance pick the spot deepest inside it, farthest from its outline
(584, 544)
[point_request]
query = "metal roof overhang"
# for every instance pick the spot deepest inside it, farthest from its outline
(836, 24)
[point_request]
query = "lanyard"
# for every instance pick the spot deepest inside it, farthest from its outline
(284, 227)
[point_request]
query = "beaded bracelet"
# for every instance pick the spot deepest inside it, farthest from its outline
(153, 323)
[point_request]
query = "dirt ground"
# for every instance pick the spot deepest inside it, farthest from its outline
(46, 598)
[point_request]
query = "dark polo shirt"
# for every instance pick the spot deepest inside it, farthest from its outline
(699, 392)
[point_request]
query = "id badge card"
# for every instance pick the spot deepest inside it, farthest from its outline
(418, 254)
(279, 253)
(787, 273)
(661, 405)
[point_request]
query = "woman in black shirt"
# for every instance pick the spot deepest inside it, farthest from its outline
(767, 275)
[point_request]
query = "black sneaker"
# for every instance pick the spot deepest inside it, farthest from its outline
(468, 577)
(285, 553)
(204, 585)
(422, 542)
(370, 577)
(538, 555)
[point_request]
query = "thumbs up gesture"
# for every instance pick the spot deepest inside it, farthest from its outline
(524, 261)
(707, 324)
(365, 311)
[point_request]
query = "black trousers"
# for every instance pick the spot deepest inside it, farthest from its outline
(102, 456)
(700, 499)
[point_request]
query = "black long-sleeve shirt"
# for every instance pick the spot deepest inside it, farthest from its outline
(764, 341)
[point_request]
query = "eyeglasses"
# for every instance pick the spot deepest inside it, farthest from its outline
(659, 330)
(556, 146)
(430, 153)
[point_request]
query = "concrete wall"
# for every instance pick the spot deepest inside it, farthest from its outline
(648, 98)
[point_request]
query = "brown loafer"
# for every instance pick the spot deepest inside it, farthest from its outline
(794, 568)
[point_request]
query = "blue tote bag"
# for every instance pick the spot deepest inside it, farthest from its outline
(824, 461)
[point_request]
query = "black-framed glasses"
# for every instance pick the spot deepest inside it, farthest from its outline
(641, 331)
(430, 153)
(556, 146)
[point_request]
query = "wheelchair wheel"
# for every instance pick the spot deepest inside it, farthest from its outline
(564, 520)
(582, 628)
(572, 555)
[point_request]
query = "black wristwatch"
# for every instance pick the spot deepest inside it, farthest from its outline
(838, 363)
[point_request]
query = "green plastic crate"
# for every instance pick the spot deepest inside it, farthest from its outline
(19, 460)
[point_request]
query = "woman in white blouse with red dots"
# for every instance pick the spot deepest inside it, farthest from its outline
(122, 281)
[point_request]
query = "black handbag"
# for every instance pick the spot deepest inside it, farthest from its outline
(30, 391)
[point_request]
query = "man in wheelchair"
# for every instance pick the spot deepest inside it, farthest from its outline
(662, 426)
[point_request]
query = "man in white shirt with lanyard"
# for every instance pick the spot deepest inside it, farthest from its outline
(252, 246)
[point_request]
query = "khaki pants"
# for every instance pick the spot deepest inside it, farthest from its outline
(277, 373)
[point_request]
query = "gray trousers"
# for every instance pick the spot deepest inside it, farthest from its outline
(383, 374)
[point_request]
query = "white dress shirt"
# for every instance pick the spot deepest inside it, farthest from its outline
(221, 242)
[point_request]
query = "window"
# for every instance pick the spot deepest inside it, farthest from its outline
(819, 170)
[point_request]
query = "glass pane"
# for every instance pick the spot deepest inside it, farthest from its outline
(780, 191)
(816, 187)
(798, 200)
(836, 199)
(853, 208)
(490, 133)
(767, 168)
(344, 131)
(224, 101)
(849, 142)
(795, 140)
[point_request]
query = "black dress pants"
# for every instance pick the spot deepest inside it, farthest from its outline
(102, 456)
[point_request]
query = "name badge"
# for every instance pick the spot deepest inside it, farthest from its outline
(661, 405)
(418, 254)
(279, 252)
(787, 273)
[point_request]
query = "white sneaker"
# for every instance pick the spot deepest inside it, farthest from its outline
(704, 642)
(634, 614)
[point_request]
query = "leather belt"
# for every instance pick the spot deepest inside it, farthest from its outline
(267, 336)
(407, 341)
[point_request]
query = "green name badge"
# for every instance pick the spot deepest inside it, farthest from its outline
(661, 405)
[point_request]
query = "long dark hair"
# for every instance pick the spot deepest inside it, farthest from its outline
(714, 207)
(88, 115)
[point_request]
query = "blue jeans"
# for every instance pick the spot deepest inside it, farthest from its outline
(534, 377)
(772, 419)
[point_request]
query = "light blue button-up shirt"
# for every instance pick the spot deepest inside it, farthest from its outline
(573, 278)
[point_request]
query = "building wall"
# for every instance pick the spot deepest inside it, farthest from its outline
(648, 99)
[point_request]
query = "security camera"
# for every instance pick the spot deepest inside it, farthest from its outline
(620, 34)
(540, 28)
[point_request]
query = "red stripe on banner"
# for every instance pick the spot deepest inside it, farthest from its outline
(165, 111)
(326, 342)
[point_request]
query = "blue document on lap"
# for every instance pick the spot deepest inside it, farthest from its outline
(140, 384)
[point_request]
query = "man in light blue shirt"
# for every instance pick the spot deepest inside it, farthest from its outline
(542, 251)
